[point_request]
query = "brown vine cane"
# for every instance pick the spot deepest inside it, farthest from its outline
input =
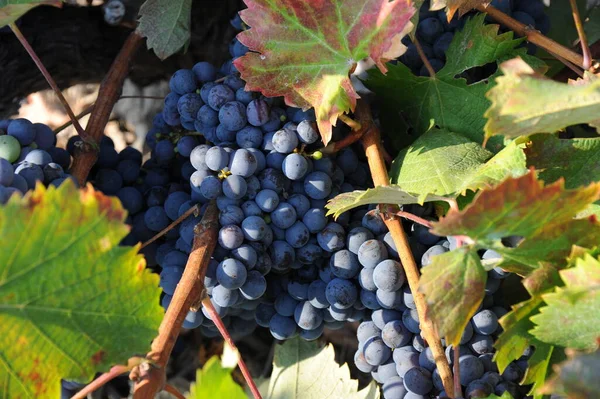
(187, 292)
(372, 142)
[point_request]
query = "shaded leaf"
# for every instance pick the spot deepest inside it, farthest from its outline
(575, 160)
(72, 301)
(166, 25)
(215, 381)
(520, 206)
(445, 163)
(524, 103)
(302, 369)
(553, 244)
(449, 102)
(577, 377)
(567, 319)
(515, 338)
(11, 10)
(379, 195)
(453, 285)
(305, 50)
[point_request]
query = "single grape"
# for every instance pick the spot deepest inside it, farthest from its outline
(418, 380)
(375, 351)
(388, 275)
(371, 253)
(231, 237)
(341, 293)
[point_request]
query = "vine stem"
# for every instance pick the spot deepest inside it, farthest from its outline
(532, 35)
(424, 57)
(114, 372)
(170, 227)
(214, 316)
(108, 95)
(48, 77)
(187, 292)
(372, 143)
(585, 49)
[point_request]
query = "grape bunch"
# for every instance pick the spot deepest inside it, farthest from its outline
(28, 154)
(390, 344)
(435, 33)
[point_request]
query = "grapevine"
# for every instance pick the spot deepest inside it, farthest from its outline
(413, 175)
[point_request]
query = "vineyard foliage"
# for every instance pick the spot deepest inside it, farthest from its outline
(486, 153)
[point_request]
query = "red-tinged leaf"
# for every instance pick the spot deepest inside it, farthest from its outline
(521, 206)
(304, 50)
(453, 285)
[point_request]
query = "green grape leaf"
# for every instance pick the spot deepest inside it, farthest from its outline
(305, 50)
(379, 195)
(520, 206)
(215, 381)
(515, 338)
(565, 320)
(453, 285)
(505, 395)
(446, 163)
(11, 10)
(438, 162)
(72, 301)
(166, 25)
(574, 160)
(448, 101)
(524, 103)
(577, 377)
(303, 370)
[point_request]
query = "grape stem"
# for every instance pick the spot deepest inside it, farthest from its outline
(456, 368)
(114, 372)
(108, 94)
(195, 209)
(585, 49)
(354, 125)
(48, 77)
(347, 140)
(214, 316)
(372, 143)
(424, 57)
(173, 391)
(532, 35)
(414, 218)
(150, 379)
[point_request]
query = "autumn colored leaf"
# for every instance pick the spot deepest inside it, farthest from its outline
(520, 206)
(525, 103)
(452, 6)
(73, 301)
(453, 285)
(305, 50)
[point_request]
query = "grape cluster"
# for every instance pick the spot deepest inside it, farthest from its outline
(28, 154)
(390, 344)
(435, 33)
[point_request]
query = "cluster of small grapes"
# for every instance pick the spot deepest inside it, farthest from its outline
(391, 347)
(28, 154)
(435, 33)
